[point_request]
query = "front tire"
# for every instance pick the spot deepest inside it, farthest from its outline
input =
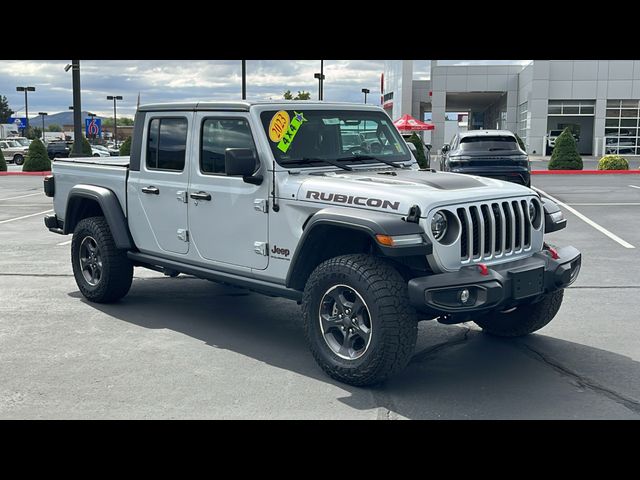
(525, 319)
(103, 273)
(358, 321)
(18, 159)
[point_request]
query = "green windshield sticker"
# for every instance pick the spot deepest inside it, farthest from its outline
(294, 126)
(398, 147)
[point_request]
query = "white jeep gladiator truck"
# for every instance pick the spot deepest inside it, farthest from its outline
(271, 197)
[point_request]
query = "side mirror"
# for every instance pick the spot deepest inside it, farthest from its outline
(241, 162)
(445, 148)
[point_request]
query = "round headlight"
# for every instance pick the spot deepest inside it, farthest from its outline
(439, 225)
(532, 211)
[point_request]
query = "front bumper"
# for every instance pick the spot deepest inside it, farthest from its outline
(499, 287)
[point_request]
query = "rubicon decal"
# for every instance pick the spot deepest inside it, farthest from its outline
(351, 200)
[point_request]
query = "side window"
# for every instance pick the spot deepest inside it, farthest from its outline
(218, 134)
(3, 145)
(167, 144)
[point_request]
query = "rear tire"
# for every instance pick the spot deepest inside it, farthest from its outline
(525, 319)
(379, 324)
(103, 272)
(18, 159)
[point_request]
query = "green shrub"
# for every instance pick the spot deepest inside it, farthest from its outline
(613, 162)
(37, 159)
(125, 148)
(86, 147)
(3, 162)
(565, 153)
(420, 156)
(520, 142)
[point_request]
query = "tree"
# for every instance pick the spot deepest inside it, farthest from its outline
(125, 148)
(300, 96)
(54, 127)
(420, 156)
(565, 153)
(37, 159)
(3, 162)
(36, 132)
(86, 147)
(5, 111)
(122, 122)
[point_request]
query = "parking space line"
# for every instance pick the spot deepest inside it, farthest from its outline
(25, 216)
(635, 186)
(64, 243)
(587, 220)
(605, 204)
(22, 196)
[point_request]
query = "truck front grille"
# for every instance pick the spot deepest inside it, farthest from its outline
(496, 229)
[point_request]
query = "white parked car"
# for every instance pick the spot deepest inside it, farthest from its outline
(99, 151)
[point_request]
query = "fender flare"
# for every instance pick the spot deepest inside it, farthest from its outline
(368, 222)
(108, 202)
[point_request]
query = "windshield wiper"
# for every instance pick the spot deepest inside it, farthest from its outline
(313, 160)
(368, 157)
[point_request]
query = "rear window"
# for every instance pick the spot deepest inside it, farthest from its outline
(488, 143)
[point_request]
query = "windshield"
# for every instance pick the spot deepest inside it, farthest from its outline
(14, 144)
(347, 136)
(477, 144)
(22, 141)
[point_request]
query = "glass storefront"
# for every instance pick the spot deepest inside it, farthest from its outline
(621, 127)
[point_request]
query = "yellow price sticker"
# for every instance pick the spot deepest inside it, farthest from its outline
(278, 126)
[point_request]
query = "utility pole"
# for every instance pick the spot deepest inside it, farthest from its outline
(244, 79)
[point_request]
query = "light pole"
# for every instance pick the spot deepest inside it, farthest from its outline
(320, 77)
(26, 105)
(77, 108)
(115, 119)
(365, 91)
(244, 79)
(43, 114)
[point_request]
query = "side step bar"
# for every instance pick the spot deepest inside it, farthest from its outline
(149, 261)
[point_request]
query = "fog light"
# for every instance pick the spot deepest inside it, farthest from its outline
(464, 296)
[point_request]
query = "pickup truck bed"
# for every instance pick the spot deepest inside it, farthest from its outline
(109, 172)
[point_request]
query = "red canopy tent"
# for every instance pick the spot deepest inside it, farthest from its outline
(407, 123)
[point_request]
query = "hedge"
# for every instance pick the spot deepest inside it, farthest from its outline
(613, 162)
(125, 148)
(420, 155)
(565, 153)
(3, 162)
(37, 159)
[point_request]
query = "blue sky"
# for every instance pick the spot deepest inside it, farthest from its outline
(181, 80)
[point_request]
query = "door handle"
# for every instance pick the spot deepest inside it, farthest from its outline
(151, 189)
(201, 196)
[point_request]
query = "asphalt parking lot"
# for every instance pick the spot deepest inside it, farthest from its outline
(188, 348)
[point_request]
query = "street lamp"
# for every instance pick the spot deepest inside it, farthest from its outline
(365, 91)
(26, 105)
(115, 120)
(320, 77)
(43, 114)
(77, 108)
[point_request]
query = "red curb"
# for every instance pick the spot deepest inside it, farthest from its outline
(583, 172)
(4, 174)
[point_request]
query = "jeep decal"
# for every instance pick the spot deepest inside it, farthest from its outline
(351, 200)
(280, 253)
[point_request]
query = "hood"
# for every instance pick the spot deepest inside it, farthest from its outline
(395, 191)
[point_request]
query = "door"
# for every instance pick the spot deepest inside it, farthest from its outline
(157, 193)
(227, 217)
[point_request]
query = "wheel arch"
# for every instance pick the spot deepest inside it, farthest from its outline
(87, 201)
(332, 232)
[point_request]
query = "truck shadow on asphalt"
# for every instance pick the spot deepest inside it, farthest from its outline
(456, 372)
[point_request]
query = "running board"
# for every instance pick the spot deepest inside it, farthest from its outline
(149, 261)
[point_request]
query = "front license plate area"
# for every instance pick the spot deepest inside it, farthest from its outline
(527, 283)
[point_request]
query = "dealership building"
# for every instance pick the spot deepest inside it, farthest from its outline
(597, 99)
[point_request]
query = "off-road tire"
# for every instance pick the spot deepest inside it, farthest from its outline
(393, 319)
(525, 319)
(117, 269)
